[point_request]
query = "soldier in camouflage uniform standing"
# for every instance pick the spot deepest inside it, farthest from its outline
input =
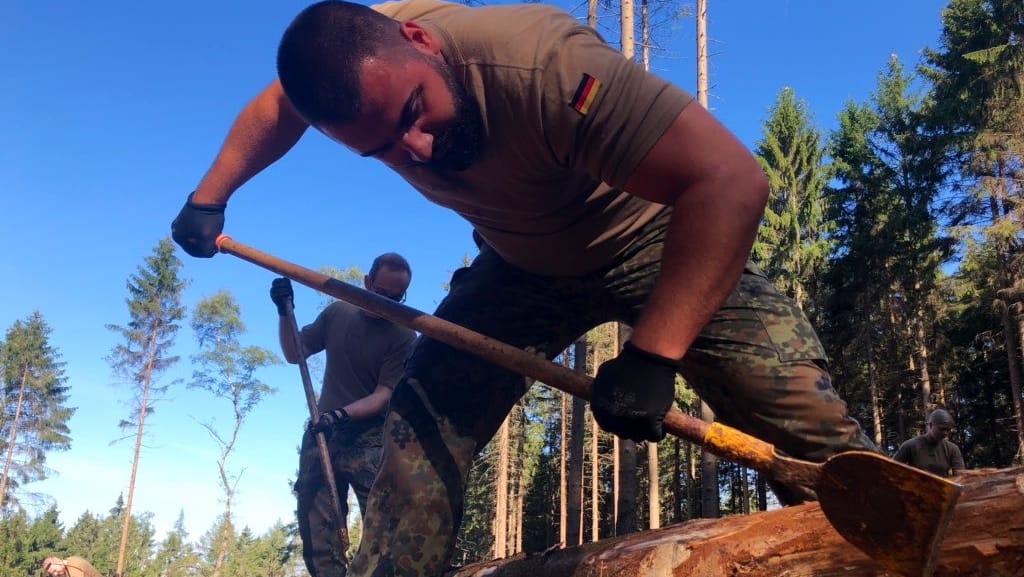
(600, 192)
(365, 356)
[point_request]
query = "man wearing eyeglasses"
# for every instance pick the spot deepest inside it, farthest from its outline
(365, 358)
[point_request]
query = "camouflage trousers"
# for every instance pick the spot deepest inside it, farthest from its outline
(355, 455)
(757, 363)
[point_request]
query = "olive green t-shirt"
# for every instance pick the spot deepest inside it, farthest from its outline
(567, 120)
(363, 351)
(939, 458)
(78, 567)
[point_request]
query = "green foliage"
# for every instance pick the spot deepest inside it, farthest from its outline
(33, 410)
(97, 538)
(175, 556)
(24, 543)
(885, 269)
(226, 369)
(792, 242)
(267, 555)
(154, 309)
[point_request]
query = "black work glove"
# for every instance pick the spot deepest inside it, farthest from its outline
(329, 422)
(197, 227)
(281, 293)
(633, 392)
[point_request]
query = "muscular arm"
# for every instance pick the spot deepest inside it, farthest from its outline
(371, 405)
(284, 334)
(266, 129)
(718, 193)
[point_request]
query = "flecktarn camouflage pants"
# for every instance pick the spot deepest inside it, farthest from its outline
(757, 363)
(355, 455)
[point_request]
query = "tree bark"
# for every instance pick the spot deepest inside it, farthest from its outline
(574, 493)
(626, 31)
(13, 438)
(122, 549)
(927, 400)
(985, 539)
(501, 494)
(595, 501)
(653, 487)
(876, 400)
(563, 475)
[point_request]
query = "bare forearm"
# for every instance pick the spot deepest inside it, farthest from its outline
(287, 338)
(371, 405)
(266, 129)
(707, 246)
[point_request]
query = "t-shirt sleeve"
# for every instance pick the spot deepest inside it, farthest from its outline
(394, 361)
(314, 335)
(903, 453)
(601, 112)
(957, 459)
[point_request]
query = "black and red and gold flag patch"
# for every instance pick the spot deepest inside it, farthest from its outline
(586, 92)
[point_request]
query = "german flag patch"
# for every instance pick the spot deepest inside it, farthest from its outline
(586, 92)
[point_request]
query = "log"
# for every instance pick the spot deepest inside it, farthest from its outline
(985, 539)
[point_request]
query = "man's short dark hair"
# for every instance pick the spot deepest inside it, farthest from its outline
(391, 260)
(941, 417)
(319, 56)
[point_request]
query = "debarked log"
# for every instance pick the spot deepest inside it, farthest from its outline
(985, 539)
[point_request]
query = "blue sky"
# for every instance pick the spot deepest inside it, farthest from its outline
(113, 111)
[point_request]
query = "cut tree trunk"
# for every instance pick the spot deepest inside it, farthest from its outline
(985, 539)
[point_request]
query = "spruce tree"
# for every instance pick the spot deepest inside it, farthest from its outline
(154, 310)
(33, 409)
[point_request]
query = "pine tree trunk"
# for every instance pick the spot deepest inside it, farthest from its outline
(1013, 334)
(677, 481)
(922, 353)
(616, 477)
(654, 489)
(709, 502)
(708, 463)
(627, 521)
(745, 480)
(501, 494)
(626, 31)
(13, 438)
(574, 496)
(595, 506)
(563, 477)
(122, 549)
(762, 493)
(876, 398)
(1018, 402)
(519, 487)
(645, 34)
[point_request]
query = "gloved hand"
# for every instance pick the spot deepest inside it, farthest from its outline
(281, 293)
(329, 422)
(197, 226)
(633, 392)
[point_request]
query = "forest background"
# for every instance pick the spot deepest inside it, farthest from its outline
(159, 438)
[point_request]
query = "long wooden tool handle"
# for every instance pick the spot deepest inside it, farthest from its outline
(723, 441)
(341, 524)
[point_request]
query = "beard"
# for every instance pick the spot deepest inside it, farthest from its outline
(459, 143)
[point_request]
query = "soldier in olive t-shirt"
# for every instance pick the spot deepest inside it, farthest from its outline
(598, 191)
(365, 357)
(932, 451)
